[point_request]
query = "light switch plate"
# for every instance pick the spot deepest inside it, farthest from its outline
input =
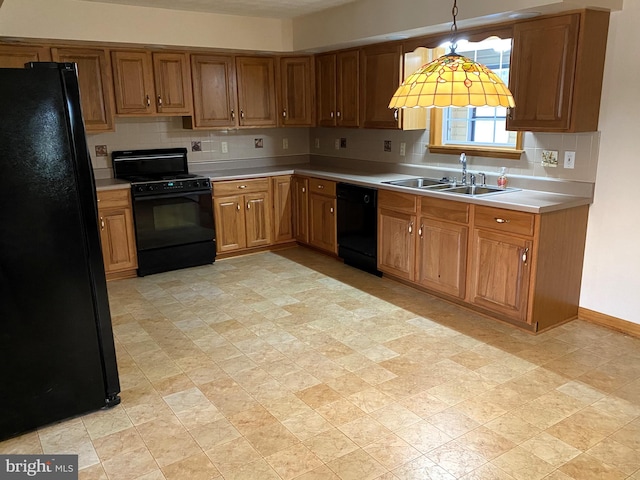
(403, 149)
(224, 147)
(337, 144)
(285, 143)
(569, 159)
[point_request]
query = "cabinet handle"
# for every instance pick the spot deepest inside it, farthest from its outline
(233, 115)
(331, 210)
(159, 101)
(148, 101)
(331, 114)
(501, 220)
(420, 230)
(284, 113)
(101, 223)
(525, 255)
(238, 206)
(304, 190)
(338, 114)
(242, 187)
(241, 113)
(411, 227)
(248, 206)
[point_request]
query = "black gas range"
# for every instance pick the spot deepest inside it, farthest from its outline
(173, 211)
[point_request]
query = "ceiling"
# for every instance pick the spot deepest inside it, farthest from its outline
(249, 8)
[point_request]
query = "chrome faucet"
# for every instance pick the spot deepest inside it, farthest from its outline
(463, 161)
(484, 178)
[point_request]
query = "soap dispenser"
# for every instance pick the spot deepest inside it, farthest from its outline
(502, 179)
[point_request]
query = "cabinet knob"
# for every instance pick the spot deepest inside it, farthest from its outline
(501, 220)
(101, 223)
(410, 227)
(525, 255)
(304, 190)
(233, 115)
(338, 114)
(242, 187)
(331, 114)
(248, 206)
(159, 101)
(241, 113)
(420, 230)
(238, 206)
(331, 210)
(148, 101)
(284, 113)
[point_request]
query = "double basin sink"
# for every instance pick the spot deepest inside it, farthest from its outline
(445, 187)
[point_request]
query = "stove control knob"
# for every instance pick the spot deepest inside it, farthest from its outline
(205, 183)
(151, 188)
(140, 189)
(196, 184)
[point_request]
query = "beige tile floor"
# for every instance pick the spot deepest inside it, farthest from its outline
(291, 365)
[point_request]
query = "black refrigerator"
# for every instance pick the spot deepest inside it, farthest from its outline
(57, 355)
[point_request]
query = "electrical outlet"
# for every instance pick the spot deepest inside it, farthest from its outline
(225, 147)
(285, 143)
(403, 149)
(387, 145)
(258, 143)
(317, 143)
(569, 159)
(337, 144)
(343, 143)
(549, 158)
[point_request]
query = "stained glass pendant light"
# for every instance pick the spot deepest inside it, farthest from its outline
(452, 80)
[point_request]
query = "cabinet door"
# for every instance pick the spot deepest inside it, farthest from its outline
(300, 202)
(256, 91)
(380, 78)
(542, 71)
(214, 90)
(442, 256)
(258, 219)
(326, 90)
(96, 85)
(322, 224)
(133, 82)
(282, 213)
(118, 240)
(15, 56)
(229, 220)
(296, 87)
(500, 273)
(347, 88)
(396, 243)
(173, 83)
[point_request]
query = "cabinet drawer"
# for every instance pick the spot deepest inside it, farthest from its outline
(114, 198)
(400, 202)
(510, 221)
(236, 187)
(444, 210)
(323, 187)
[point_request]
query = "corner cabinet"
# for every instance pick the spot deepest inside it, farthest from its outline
(243, 214)
(557, 66)
(117, 233)
(380, 78)
(322, 215)
(147, 83)
(337, 89)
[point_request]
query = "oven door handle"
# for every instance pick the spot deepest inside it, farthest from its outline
(170, 195)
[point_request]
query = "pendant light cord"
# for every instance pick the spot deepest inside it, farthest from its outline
(454, 26)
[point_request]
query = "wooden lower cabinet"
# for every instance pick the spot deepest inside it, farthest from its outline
(243, 220)
(500, 273)
(322, 215)
(281, 187)
(117, 233)
(397, 243)
(300, 207)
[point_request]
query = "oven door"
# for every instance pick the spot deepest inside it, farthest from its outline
(173, 219)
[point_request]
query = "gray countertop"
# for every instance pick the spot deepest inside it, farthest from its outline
(532, 201)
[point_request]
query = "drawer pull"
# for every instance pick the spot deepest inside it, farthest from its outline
(525, 255)
(241, 187)
(501, 220)
(320, 187)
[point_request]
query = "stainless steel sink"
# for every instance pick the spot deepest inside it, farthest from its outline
(419, 183)
(477, 190)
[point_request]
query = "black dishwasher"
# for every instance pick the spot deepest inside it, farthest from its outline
(358, 226)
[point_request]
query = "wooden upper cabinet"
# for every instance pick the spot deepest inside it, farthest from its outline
(557, 65)
(337, 87)
(296, 92)
(133, 82)
(173, 83)
(96, 85)
(15, 56)
(214, 90)
(256, 91)
(380, 78)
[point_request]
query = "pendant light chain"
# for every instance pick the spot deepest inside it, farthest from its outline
(454, 27)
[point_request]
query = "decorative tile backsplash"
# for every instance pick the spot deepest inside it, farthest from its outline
(233, 148)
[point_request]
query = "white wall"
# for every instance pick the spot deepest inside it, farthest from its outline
(93, 21)
(611, 279)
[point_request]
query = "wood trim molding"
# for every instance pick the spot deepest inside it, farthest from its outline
(608, 321)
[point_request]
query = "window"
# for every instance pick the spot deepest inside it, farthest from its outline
(480, 130)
